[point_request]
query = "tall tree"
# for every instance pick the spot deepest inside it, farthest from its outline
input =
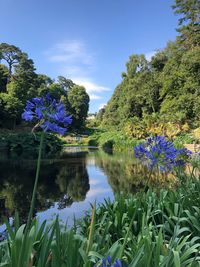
(168, 85)
(10, 54)
(23, 83)
(66, 83)
(189, 22)
(79, 105)
(43, 80)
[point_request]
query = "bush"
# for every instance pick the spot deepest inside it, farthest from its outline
(93, 142)
(20, 143)
(183, 139)
(116, 141)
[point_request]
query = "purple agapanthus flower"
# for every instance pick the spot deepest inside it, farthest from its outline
(158, 152)
(49, 114)
(108, 263)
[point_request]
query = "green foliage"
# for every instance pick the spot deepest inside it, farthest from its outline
(22, 142)
(4, 75)
(23, 83)
(146, 229)
(41, 246)
(155, 124)
(112, 140)
(55, 89)
(10, 110)
(188, 22)
(168, 85)
(67, 84)
(183, 139)
(79, 105)
(163, 227)
(10, 54)
(19, 82)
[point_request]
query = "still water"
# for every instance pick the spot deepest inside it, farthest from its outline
(68, 183)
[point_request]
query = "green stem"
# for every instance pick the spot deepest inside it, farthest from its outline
(92, 228)
(30, 215)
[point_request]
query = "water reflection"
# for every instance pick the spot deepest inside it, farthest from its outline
(127, 175)
(70, 182)
(62, 181)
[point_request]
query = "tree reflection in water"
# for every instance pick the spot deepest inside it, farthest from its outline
(61, 182)
(65, 180)
(126, 175)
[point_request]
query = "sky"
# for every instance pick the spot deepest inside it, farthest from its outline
(88, 41)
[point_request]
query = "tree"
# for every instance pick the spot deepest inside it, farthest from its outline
(79, 105)
(79, 185)
(189, 22)
(43, 79)
(159, 60)
(132, 95)
(23, 83)
(67, 84)
(19, 82)
(4, 75)
(100, 114)
(189, 9)
(10, 54)
(181, 84)
(10, 110)
(168, 85)
(136, 64)
(55, 89)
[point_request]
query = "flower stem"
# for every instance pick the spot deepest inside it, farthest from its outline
(149, 177)
(30, 215)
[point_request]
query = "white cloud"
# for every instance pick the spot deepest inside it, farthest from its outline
(94, 97)
(73, 70)
(94, 182)
(90, 86)
(149, 55)
(73, 60)
(70, 52)
(97, 192)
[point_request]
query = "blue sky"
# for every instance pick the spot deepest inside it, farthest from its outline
(88, 41)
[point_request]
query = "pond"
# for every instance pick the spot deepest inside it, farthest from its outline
(68, 183)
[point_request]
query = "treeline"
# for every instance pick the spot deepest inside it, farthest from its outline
(20, 82)
(164, 90)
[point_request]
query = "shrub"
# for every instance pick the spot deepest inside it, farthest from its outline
(21, 142)
(183, 139)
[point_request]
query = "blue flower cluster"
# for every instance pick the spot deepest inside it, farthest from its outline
(158, 152)
(108, 263)
(48, 114)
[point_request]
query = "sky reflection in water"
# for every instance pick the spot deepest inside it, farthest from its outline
(67, 185)
(99, 190)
